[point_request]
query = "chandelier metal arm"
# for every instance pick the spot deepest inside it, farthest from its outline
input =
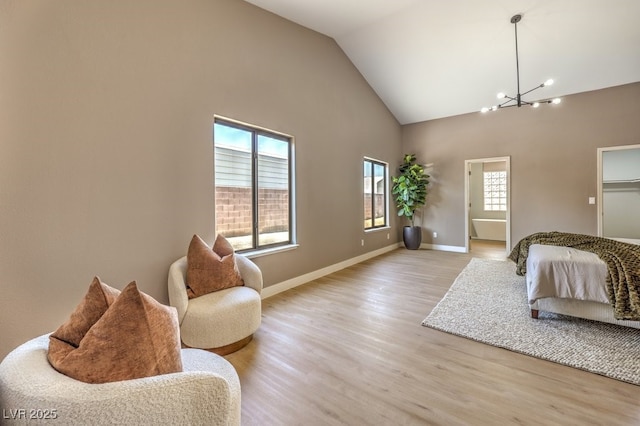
(516, 104)
(507, 106)
(535, 88)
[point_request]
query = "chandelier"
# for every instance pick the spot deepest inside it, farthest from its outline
(517, 100)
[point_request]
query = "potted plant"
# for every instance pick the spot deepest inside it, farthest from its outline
(410, 190)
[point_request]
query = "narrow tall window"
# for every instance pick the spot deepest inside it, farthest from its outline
(253, 199)
(495, 191)
(375, 194)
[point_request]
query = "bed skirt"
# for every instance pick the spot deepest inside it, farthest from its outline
(582, 309)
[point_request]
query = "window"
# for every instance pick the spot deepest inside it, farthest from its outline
(253, 186)
(495, 191)
(375, 194)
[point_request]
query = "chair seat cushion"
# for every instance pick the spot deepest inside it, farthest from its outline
(221, 318)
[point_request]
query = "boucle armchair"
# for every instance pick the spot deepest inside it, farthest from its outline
(207, 392)
(222, 321)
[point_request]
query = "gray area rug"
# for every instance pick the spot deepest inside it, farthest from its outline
(488, 303)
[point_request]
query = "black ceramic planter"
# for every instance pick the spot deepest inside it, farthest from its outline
(412, 236)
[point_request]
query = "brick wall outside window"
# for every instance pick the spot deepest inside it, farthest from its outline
(233, 210)
(379, 201)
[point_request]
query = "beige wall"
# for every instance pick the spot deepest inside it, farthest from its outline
(106, 158)
(553, 153)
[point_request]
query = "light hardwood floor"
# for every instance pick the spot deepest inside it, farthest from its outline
(349, 349)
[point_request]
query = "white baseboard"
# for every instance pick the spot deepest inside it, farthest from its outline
(303, 279)
(456, 249)
(272, 290)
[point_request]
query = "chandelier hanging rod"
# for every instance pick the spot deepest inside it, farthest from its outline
(514, 20)
(517, 100)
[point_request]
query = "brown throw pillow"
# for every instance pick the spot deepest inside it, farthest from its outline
(222, 247)
(210, 270)
(94, 304)
(134, 337)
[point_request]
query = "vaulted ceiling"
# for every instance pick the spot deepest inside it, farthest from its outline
(429, 59)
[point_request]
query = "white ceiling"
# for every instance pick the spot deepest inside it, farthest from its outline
(429, 59)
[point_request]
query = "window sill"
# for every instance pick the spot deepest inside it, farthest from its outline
(383, 228)
(265, 252)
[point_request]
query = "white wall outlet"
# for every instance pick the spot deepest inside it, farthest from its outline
(362, 243)
(435, 234)
(592, 200)
(387, 235)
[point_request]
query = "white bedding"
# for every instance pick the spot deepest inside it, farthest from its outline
(556, 271)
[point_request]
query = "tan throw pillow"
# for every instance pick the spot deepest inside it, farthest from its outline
(134, 337)
(210, 270)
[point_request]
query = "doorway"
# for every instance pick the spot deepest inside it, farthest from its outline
(488, 204)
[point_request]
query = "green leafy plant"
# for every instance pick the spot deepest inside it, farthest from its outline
(410, 187)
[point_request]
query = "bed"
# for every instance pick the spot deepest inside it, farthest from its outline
(569, 281)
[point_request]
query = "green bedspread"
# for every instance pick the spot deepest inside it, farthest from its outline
(622, 260)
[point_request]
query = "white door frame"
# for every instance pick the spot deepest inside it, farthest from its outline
(467, 219)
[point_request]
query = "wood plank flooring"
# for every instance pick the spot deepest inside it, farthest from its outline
(349, 349)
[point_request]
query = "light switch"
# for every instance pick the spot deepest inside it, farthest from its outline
(592, 200)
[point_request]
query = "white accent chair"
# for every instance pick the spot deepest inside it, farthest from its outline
(207, 392)
(223, 321)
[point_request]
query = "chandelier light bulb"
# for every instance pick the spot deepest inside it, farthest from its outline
(494, 108)
(536, 104)
(548, 82)
(484, 109)
(501, 95)
(556, 101)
